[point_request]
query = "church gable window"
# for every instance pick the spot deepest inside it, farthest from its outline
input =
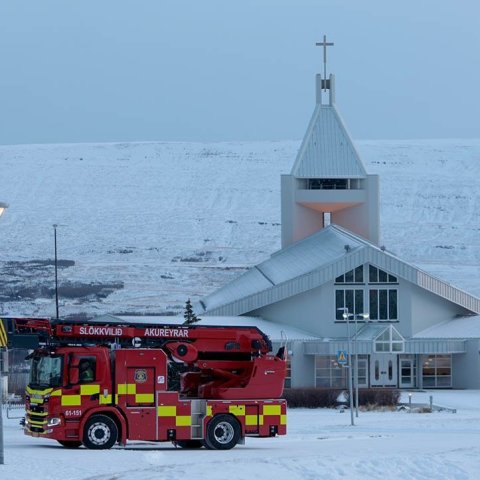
(352, 276)
(375, 275)
(352, 299)
(383, 304)
(389, 341)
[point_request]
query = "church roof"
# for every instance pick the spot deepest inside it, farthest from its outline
(327, 150)
(462, 327)
(314, 261)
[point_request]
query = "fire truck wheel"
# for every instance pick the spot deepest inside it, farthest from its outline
(189, 443)
(69, 443)
(100, 432)
(223, 433)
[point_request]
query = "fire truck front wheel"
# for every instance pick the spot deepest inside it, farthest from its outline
(223, 432)
(100, 432)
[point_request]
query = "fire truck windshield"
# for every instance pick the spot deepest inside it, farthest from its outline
(46, 371)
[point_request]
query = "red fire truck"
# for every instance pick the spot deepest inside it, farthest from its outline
(97, 384)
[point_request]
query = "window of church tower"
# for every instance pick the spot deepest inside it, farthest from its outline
(328, 184)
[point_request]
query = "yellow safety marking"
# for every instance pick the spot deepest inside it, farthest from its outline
(238, 410)
(283, 420)
(272, 409)
(56, 393)
(45, 391)
(251, 420)
(38, 401)
(144, 398)
(166, 411)
(89, 389)
(209, 411)
(38, 424)
(126, 389)
(40, 414)
(3, 335)
(183, 421)
(105, 400)
(71, 400)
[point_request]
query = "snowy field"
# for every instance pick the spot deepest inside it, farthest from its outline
(320, 444)
(171, 221)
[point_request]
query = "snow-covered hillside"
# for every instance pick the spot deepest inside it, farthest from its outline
(171, 221)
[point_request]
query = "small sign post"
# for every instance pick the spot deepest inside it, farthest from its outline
(342, 357)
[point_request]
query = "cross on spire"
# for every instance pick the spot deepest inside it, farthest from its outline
(325, 44)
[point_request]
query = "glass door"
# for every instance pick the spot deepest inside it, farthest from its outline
(383, 370)
(406, 373)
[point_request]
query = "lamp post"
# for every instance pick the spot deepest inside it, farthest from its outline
(55, 226)
(349, 364)
(347, 316)
(3, 207)
(363, 316)
(56, 267)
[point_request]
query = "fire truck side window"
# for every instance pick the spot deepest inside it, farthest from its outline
(87, 369)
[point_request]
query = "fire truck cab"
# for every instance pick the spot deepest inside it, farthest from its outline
(98, 385)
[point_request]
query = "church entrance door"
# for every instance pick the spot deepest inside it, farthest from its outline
(383, 370)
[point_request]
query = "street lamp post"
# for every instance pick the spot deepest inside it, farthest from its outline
(355, 372)
(363, 316)
(347, 316)
(349, 364)
(56, 267)
(3, 207)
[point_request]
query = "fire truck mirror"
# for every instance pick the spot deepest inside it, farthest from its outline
(73, 370)
(73, 374)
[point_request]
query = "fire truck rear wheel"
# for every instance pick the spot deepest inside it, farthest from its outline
(100, 432)
(223, 432)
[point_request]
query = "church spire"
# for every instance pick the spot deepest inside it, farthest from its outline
(325, 44)
(325, 83)
(328, 182)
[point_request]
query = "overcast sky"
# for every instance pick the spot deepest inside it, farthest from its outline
(213, 70)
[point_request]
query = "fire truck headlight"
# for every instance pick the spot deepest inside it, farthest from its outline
(54, 421)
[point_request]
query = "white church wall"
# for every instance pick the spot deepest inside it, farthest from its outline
(404, 305)
(297, 221)
(429, 309)
(303, 366)
(363, 219)
(466, 366)
(311, 311)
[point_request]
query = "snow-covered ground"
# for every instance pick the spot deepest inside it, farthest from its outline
(177, 220)
(320, 444)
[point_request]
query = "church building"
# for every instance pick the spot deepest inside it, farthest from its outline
(339, 291)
